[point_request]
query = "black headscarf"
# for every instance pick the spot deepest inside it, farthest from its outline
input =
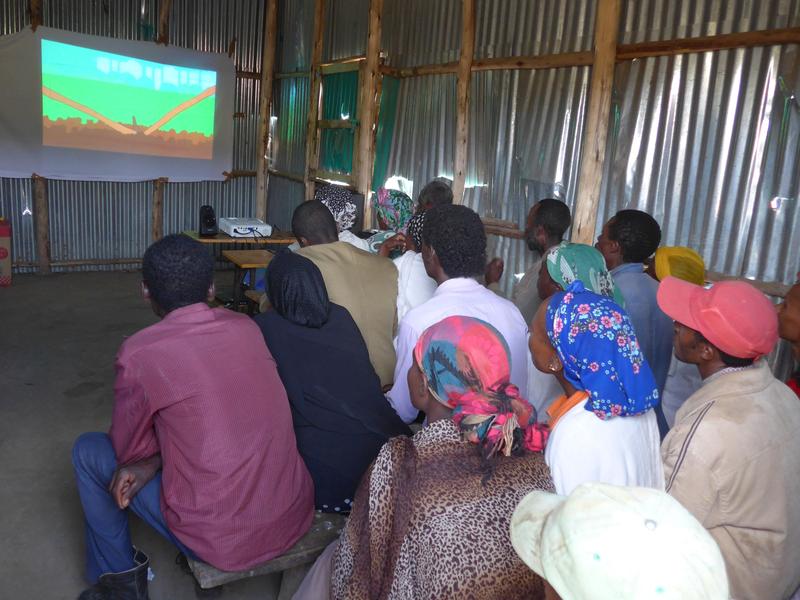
(297, 291)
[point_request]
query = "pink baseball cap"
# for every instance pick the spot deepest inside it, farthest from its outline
(732, 315)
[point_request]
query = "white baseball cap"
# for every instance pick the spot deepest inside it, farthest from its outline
(610, 542)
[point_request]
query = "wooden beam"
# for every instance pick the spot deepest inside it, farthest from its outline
(265, 104)
(368, 110)
(312, 133)
(285, 175)
(327, 176)
(41, 216)
(292, 74)
(709, 43)
(35, 13)
(545, 61)
(462, 107)
(440, 69)
(337, 124)
(593, 152)
(157, 229)
(248, 74)
(163, 22)
(771, 288)
(502, 228)
(343, 65)
(235, 174)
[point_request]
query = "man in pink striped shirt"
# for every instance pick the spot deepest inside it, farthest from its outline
(201, 444)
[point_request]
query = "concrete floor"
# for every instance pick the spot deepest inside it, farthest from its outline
(58, 338)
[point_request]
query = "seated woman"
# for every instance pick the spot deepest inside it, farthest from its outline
(603, 429)
(431, 517)
(341, 418)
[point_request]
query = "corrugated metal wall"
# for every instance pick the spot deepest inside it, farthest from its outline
(107, 220)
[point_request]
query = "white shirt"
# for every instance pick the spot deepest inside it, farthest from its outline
(351, 238)
(414, 287)
(618, 451)
(465, 297)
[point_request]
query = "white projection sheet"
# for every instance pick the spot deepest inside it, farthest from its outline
(76, 106)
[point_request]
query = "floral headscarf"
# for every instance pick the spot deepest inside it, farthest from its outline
(393, 209)
(414, 229)
(570, 262)
(467, 366)
(596, 343)
(339, 202)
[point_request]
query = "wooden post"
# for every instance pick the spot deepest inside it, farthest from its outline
(41, 216)
(315, 81)
(35, 13)
(163, 22)
(462, 115)
(367, 109)
(593, 153)
(264, 105)
(157, 230)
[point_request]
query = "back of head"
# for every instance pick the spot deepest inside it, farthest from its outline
(554, 216)
(681, 262)
(178, 271)
(457, 236)
(436, 193)
(637, 233)
(314, 223)
(297, 290)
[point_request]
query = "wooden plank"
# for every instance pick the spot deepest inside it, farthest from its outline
(440, 69)
(344, 65)
(545, 61)
(35, 13)
(248, 75)
(264, 106)
(278, 238)
(331, 176)
(367, 110)
(285, 175)
(593, 152)
(462, 108)
(163, 22)
(157, 222)
(502, 228)
(312, 133)
(41, 216)
(709, 43)
(292, 74)
(249, 259)
(325, 528)
(337, 124)
(237, 174)
(771, 288)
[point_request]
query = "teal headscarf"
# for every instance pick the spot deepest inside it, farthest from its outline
(578, 262)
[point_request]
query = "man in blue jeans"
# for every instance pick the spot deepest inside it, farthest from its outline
(201, 444)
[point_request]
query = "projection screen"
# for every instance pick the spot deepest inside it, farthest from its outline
(75, 106)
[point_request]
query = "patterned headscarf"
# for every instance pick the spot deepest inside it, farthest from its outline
(393, 209)
(680, 262)
(414, 229)
(596, 343)
(339, 202)
(467, 366)
(570, 262)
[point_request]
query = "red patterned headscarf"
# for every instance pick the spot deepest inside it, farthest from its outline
(467, 367)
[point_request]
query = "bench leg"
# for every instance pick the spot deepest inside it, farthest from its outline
(291, 579)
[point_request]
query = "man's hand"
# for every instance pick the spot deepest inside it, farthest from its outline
(129, 479)
(394, 242)
(494, 271)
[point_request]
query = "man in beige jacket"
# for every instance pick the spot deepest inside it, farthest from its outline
(733, 456)
(363, 283)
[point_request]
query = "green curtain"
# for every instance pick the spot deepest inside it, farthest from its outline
(339, 101)
(385, 133)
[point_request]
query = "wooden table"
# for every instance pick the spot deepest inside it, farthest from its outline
(277, 239)
(244, 261)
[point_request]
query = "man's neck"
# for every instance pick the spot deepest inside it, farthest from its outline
(551, 244)
(707, 369)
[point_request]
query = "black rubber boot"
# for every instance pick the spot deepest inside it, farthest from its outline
(127, 585)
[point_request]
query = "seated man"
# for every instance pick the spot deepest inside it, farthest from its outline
(363, 283)
(201, 444)
(628, 239)
(733, 457)
(789, 329)
(454, 252)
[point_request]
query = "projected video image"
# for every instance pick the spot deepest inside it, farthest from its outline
(96, 100)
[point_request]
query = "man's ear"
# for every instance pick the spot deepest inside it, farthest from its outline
(145, 291)
(706, 351)
(302, 241)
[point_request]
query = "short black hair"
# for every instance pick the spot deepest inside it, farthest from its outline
(638, 234)
(313, 221)
(457, 236)
(554, 216)
(436, 193)
(727, 359)
(177, 271)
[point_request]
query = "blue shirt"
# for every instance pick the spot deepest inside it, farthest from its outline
(654, 329)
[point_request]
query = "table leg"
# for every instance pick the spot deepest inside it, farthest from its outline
(238, 278)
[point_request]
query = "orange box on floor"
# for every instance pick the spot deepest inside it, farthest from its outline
(5, 252)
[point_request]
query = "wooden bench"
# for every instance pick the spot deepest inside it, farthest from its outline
(245, 261)
(325, 528)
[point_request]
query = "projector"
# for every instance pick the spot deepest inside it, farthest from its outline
(236, 227)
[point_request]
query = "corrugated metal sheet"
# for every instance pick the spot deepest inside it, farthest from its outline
(16, 205)
(420, 32)
(94, 220)
(283, 196)
(289, 122)
(650, 20)
(345, 33)
(295, 33)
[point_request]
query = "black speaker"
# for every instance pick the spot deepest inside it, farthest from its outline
(208, 222)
